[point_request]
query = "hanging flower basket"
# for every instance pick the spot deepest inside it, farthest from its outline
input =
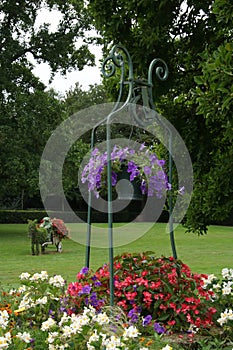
(143, 167)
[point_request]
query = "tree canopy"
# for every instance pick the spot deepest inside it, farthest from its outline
(29, 113)
(195, 39)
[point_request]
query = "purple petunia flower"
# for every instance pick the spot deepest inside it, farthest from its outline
(84, 270)
(133, 315)
(147, 170)
(146, 320)
(114, 178)
(85, 290)
(158, 328)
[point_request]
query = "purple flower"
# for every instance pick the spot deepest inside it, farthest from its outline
(133, 169)
(114, 178)
(142, 146)
(146, 320)
(133, 315)
(147, 170)
(85, 290)
(143, 187)
(159, 329)
(161, 162)
(84, 270)
(97, 283)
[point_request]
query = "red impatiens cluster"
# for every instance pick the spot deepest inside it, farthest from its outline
(59, 227)
(163, 289)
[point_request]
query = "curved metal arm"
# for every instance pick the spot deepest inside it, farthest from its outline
(118, 58)
(161, 71)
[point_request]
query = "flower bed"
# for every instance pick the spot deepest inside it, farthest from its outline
(160, 304)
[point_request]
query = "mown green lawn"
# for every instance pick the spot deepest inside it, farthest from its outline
(204, 254)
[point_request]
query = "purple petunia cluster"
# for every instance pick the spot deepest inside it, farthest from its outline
(141, 164)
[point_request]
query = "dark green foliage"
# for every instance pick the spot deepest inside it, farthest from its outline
(195, 39)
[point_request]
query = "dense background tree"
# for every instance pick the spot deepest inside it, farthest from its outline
(28, 113)
(195, 39)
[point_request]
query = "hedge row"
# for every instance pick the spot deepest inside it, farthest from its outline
(22, 216)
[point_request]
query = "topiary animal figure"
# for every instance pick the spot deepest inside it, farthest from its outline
(38, 236)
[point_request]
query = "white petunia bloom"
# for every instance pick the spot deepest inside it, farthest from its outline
(64, 318)
(4, 317)
(8, 337)
(25, 276)
(22, 289)
(101, 318)
(42, 301)
(47, 324)
(12, 291)
(225, 272)
(167, 347)
(94, 337)
(90, 311)
(131, 332)
(25, 336)
(210, 278)
(226, 290)
(57, 281)
(225, 316)
(3, 343)
(43, 276)
(51, 337)
(26, 303)
(112, 343)
(67, 331)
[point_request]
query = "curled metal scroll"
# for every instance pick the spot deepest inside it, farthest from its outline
(117, 59)
(161, 70)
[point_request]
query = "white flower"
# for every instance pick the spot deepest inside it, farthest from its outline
(83, 320)
(22, 289)
(4, 317)
(225, 316)
(101, 318)
(226, 290)
(208, 280)
(26, 302)
(51, 337)
(94, 337)
(67, 331)
(111, 343)
(57, 281)
(24, 276)
(43, 276)
(225, 272)
(130, 332)
(24, 336)
(3, 343)
(47, 324)
(167, 347)
(42, 301)
(64, 318)
(12, 291)
(8, 337)
(90, 311)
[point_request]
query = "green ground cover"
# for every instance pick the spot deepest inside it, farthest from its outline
(204, 254)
